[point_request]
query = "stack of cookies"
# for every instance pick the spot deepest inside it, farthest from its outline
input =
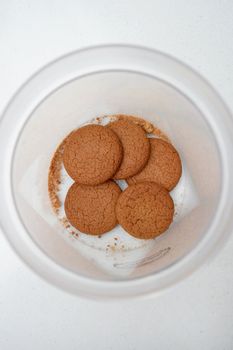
(96, 156)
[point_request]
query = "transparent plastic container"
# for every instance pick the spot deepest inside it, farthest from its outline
(107, 80)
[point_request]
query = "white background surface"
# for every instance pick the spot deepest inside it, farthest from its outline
(197, 313)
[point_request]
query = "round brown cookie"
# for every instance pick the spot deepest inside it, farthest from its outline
(145, 210)
(91, 209)
(164, 166)
(92, 154)
(136, 147)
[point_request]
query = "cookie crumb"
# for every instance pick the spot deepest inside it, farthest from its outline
(54, 177)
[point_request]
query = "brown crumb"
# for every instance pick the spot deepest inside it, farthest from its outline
(115, 238)
(65, 222)
(54, 177)
(98, 120)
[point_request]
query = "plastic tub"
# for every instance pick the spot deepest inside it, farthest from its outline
(109, 80)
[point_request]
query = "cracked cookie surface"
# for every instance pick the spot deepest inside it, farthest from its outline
(136, 147)
(91, 209)
(145, 210)
(92, 154)
(163, 167)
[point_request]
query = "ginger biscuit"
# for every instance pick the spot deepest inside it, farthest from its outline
(92, 154)
(91, 209)
(136, 147)
(145, 210)
(163, 167)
